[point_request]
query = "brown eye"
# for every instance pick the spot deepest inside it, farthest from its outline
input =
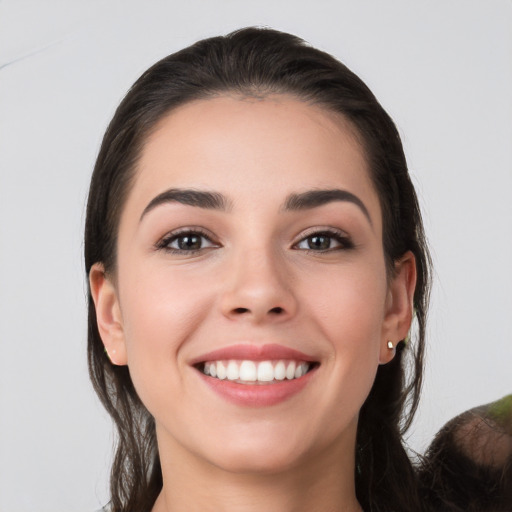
(190, 242)
(325, 241)
(186, 242)
(319, 242)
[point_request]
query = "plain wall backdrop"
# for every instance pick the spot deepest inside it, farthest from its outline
(442, 69)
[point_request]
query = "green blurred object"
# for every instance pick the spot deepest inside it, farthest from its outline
(501, 412)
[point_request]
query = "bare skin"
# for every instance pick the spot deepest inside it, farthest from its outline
(253, 270)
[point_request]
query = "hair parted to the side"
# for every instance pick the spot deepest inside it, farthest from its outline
(259, 62)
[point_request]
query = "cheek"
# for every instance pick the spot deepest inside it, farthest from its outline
(350, 312)
(161, 308)
(349, 304)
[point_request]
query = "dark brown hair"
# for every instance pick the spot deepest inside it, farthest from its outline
(468, 466)
(258, 62)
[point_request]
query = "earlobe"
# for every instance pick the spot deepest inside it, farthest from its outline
(108, 314)
(399, 306)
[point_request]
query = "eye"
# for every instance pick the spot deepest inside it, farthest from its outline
(186, 242)
(323, 241)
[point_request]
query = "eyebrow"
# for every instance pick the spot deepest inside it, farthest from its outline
(216, 201)
(190, 197)
(316, 198)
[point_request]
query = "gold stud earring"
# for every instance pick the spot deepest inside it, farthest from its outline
(390, 345)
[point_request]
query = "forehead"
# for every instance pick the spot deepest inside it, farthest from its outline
(245, 147)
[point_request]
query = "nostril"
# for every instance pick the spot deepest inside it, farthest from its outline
(275, 311)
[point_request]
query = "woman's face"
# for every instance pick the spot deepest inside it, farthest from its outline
(250, 248)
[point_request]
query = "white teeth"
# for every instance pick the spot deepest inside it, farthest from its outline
(301, 370)
(221, 370)
(232, 373)
(251, 371)
(290, 371)
(280, 371)
(248, 371)
(265, 371)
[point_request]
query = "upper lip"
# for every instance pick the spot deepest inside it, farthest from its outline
(253, 352)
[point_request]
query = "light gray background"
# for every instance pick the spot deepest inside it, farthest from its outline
(443, 70)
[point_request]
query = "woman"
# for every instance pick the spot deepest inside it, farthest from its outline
(255, 252)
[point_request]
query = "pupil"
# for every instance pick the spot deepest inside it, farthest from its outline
(319, 242)
(189, 242)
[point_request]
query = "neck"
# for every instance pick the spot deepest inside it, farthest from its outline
(325, 482)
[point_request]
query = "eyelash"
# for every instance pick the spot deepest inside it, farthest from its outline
(166, 241)
(340, 237)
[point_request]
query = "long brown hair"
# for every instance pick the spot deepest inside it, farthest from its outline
(257, 62)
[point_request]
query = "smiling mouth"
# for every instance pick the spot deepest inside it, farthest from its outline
(256, 372)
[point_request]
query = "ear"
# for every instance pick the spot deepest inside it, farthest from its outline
(108, 314)
(399, 306)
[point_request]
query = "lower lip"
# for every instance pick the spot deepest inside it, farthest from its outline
(258, 395)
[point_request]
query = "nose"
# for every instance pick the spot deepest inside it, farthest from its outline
(258, 289)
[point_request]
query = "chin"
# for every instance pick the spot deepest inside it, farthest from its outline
(271, 448)
(258, 461)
